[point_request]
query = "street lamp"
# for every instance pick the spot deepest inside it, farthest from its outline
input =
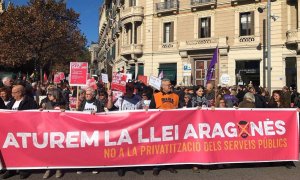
(261, 10)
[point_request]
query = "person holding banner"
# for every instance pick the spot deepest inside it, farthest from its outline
(90, 103)
(19, 102)
(55, 102)
(165, 99)
(129, 101)
(199, 99)
(277, 101)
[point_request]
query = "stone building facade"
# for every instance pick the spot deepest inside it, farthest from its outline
(145, 37)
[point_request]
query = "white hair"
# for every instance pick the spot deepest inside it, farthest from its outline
(5, 78)
(250, 97)
(91, 90)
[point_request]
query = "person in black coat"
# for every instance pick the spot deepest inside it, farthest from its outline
(2, 105)
(19, 102)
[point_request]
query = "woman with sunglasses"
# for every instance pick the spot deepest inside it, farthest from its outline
(55, 101)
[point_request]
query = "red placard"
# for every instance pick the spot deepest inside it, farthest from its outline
(78, 73)
(58, 77)
(143, 79)
(119, 82)
(35, 139)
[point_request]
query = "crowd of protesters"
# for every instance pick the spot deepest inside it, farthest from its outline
(24, 95)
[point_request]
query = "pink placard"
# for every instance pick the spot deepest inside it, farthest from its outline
(119, 82)
(78, 73)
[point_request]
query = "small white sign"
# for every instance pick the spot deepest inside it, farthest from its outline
(104, 78)
(155, 82)
(187, 70)
(225, 79)
(187, 67)
(129, 77)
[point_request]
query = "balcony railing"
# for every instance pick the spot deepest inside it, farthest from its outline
(250, 40)
(132, 49)
(132, 11)
(236, 2)
(292, 36)
(246, 39)
(168, 6)
(202, 3)
(171, 46)
(199, 43)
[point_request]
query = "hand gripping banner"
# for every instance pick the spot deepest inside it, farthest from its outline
(34, 139)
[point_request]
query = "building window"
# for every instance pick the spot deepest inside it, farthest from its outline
(132, 69)
(204, 29)
(132, 3)
(247, 71)
(246, 23)
(168, 32)
(169, 71)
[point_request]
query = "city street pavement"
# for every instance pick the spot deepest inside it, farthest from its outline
(264, 171)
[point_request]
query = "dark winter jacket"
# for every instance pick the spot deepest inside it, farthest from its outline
(26, 104)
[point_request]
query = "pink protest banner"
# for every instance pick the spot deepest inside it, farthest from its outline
(78, 73)
(119, 82)
(34, 139)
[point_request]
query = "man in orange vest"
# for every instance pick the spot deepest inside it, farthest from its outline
(165, 99)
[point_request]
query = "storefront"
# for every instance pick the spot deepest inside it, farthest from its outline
(247, 71)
